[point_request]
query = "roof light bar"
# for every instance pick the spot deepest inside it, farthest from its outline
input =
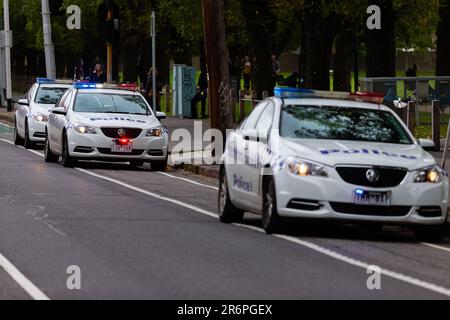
(370, 97)
(84, 85)
(44, 80)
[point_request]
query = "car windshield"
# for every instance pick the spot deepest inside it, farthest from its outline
(49, 95)
(111, 103)
(342, 123)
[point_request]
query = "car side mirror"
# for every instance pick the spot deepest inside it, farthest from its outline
(59, 111)
(427, 144)
(23, 102)
(160, 115)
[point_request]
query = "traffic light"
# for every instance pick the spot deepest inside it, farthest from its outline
(107, 28)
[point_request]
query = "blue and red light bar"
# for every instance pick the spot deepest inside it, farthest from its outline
(370, 97)
(84, 85)
(44, 80)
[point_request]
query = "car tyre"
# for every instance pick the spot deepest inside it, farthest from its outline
(18, 141)
(228, 213)
(49, 156)
(67, 160)
(28, 144)
(159, 165)
(271, 221)
(430, 234)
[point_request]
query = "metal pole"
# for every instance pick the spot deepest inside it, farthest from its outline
(48, 44)
(153, 34)
(109, 47)
(8, 45)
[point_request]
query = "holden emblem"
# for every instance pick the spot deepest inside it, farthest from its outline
(121, 132)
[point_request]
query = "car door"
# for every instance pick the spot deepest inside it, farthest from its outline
(258, 151)
(23, 110)
(239, 171)
(57, 122)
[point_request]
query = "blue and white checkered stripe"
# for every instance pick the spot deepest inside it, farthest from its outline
(30, 114)
(69, 125)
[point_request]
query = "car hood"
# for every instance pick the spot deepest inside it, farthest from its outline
(334, 152)
(43, 109)
(117, 120)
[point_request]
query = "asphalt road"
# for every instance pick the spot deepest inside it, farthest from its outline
(136, 234)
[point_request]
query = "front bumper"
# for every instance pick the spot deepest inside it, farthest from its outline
(331, 197)
(37, 130)
(98, 147)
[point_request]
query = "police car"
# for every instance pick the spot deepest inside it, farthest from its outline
(32, 112)
(107, 123)
(299, 155)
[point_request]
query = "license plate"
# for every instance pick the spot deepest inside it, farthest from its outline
(372, 198)
(122, 148)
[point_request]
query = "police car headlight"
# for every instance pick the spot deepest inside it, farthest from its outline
(40, 118)
(429, 175)
(304, 168)
(83, 129)
(155, 132)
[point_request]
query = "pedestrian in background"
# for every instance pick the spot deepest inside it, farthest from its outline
(276, 69)
(149, 89)
(201, 96)
(98, 76)
(247, 74)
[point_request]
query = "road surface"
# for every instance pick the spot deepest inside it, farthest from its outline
(136, 234)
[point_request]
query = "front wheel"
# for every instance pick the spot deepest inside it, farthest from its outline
(67, 160)
(49, 156)
(430, 233)
(18, 141)
(270, 219)
(228, 213)
(159, 165)
(28, 144)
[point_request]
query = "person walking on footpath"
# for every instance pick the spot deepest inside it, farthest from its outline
(201, 96)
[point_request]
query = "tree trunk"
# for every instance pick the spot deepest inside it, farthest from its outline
(221, 108)
(261, 26)
(343, 60)
(381, 43)
(319, 40)
(443, 40)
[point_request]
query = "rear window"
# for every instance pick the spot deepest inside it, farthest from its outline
(338, 123)
(111, 103)
(49, 95)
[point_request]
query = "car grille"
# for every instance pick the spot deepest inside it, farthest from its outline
(388, 177)
(382, 211)
(130, 133)
(135, 152)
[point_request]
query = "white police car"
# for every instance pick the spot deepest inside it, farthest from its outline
(107, 123)
(32, 111)
(301, 156)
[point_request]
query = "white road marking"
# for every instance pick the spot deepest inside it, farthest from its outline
(435, 246)
(330, 253)
(6, 125)
(189, 180)
(33, 291)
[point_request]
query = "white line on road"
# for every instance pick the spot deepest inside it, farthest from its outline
(330, 253)
(21, 280)
(189, 180)
(435, 246)
(6, 125)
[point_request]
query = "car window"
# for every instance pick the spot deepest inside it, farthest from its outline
(48, 95)
(342, 123)
(250, 123)
(265, 120)
(111, 103)
(66, 102)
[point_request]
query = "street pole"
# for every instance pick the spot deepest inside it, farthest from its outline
(8, 44)
(109, 46)
(153, 34)
(48, 43)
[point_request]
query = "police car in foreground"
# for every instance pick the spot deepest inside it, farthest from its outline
(301, 156)
(107, 123)
(32, 112)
